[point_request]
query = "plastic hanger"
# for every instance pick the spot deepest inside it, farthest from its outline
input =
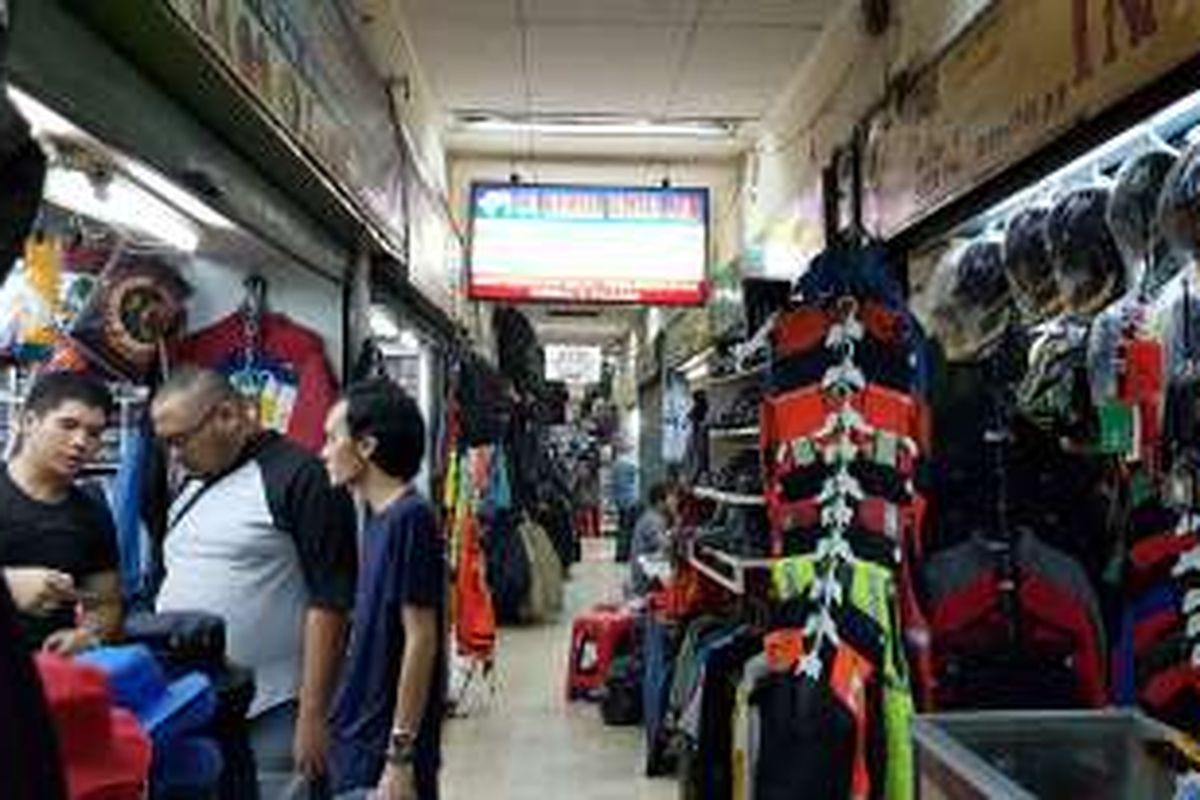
(1188, 562)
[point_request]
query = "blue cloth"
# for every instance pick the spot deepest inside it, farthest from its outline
(127, 504)
(500, 494)
(167, 711)
(404, 564)
(625, 484)
(656, 684)
(862, 273)
(1124, 680)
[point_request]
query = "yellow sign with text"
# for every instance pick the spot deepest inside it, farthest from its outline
(1027, 72)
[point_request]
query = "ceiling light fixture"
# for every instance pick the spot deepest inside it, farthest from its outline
(383, 323)
(183, 200)
(42, 120)
(121, 203)
(698, 129)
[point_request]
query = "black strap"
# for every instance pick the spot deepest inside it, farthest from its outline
(248, 453)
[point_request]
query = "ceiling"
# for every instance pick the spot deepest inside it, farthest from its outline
(644, 59)
(660, 60)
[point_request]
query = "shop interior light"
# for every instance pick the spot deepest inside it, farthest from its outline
(698, 372)
(184, 201)
(42, 120)
(121, 203)
(408, 340)
(164, 207)
(382, 324)
(698, 129)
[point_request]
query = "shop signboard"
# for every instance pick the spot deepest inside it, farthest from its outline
(1024, 74)
(302, 64)
(593, 244)
(574, 364)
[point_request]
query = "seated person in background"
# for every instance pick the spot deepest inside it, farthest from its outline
(651, 535)
(58, 543)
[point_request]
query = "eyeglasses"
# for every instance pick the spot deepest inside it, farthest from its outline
(180, 440)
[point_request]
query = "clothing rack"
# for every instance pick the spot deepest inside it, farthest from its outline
(996, 439)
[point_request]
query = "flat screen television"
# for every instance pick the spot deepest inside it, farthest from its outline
(588, 244)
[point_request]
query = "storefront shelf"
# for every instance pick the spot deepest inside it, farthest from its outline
(750, 432)
(729, 498)
(736, 377)
(727, 570)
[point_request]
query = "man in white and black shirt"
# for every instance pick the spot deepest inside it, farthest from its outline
(258, 536)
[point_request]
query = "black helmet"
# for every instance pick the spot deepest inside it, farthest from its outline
(1029, 266)
(1179, 204)
(1133, 216)
(973, 307)
(1087, 263)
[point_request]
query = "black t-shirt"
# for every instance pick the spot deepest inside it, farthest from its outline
(76, 536)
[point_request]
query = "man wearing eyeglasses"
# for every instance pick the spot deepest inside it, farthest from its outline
(258, 536)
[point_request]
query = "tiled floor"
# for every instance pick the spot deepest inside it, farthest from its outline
(529, 744)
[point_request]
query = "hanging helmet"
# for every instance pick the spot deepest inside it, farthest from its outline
(972, 309)
(1087, 263)
(1179, 205)
(1028, 264)
(1133, 218)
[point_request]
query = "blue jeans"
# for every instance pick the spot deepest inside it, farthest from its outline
(271, 737)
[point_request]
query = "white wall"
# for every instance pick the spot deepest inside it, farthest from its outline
(314, 302)
(846, 76)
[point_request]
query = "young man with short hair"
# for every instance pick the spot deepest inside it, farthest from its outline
(386, 723)
(58, 544)
(258, 536)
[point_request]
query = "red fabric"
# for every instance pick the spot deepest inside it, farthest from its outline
(606, 628)
(475, 628)
(784, 460)
(283, 342)
(1167, 687)
(1158, 552)
(851, 675)
(1059, 611)
(804, 329)
(871, 515)
(804, 412)
(1143, 385)
(1154, 629)
(105, 753)
(1053, 619)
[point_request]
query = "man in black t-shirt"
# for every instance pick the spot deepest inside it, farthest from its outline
(57, 543)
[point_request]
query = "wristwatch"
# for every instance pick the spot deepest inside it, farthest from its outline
(402, 748)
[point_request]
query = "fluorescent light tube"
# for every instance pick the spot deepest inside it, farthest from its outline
(382, 324)
(181, 199)
(122, 204)
(699, 130)
(42, 120)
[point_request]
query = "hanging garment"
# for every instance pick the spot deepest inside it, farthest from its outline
(127, 507)
(972, 614)
(298, 385)
(545, 596)
(475, 631)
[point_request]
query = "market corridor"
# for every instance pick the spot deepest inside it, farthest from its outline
(528, 743)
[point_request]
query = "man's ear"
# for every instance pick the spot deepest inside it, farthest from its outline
(366, 447)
